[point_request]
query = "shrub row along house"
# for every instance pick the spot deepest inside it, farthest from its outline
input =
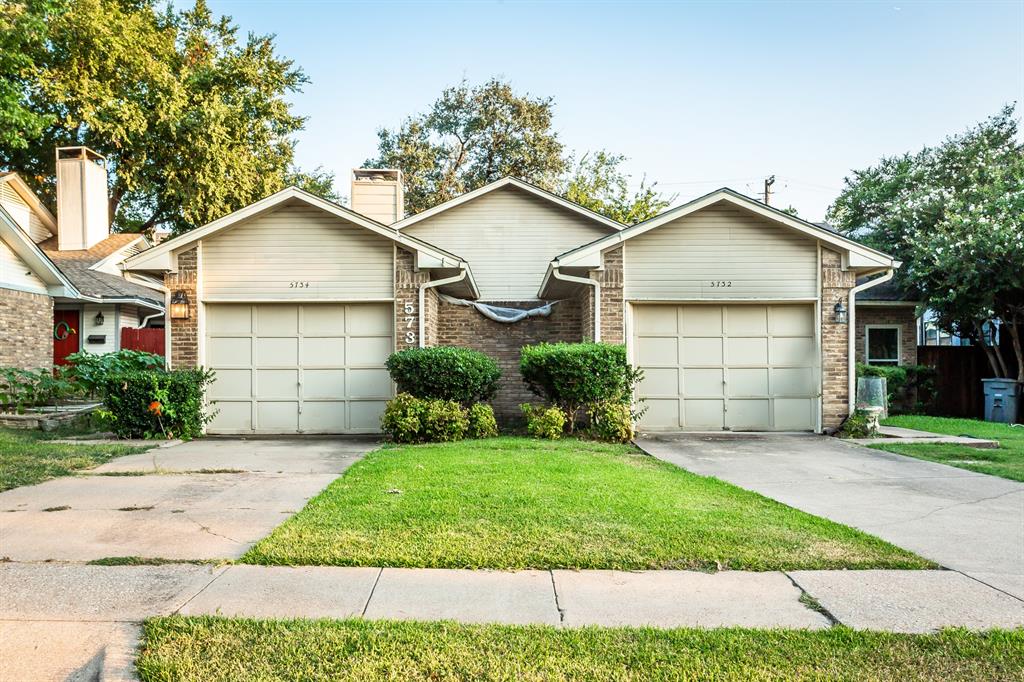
(739, 315)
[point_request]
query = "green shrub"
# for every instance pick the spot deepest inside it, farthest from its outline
(572, 375)
(408, 419)
(445, 373)
(89, 370)
(155, 403)
(482, 423)
(611, 421)
(857, 425)
(24, 388)
(445, 421)
(911, 388)
(543, 421)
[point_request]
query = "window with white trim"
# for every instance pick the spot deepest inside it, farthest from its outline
(882, 344)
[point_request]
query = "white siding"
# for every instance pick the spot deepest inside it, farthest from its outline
(127, 318)
(273, 256)
(108, 329)
(377, 200)
(15, 273)
(23, 215)
(746, 256)
(508, 236)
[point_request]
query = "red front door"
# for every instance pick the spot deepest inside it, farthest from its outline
(66, 324)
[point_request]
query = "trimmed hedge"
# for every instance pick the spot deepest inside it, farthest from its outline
(445, 373)
(408, 419)
(572, 375)
(156, 404)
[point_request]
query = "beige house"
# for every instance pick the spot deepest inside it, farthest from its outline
(740, 315)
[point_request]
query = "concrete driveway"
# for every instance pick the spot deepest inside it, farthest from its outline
(969, 522)
(207, 499)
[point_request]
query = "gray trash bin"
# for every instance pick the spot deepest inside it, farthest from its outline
(1001, 399)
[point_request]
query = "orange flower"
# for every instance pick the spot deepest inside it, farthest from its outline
(155, 407)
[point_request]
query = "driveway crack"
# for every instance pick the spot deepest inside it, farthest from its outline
(558, 605)
(206, 529)
(950, 506)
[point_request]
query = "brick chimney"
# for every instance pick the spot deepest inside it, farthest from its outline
(377, 194)
(82, 205)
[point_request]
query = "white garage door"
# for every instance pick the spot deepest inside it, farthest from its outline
(742, 367)
(310, 368)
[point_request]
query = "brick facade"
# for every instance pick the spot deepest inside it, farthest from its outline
(613, 319)
(407, 312)
(835, 338)
(184, 350)
(464, 326)
(904, 316)
(26, 330)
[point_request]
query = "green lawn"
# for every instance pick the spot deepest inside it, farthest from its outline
(26, 457)
(511, 503)
(211, 649)
(1007, 461)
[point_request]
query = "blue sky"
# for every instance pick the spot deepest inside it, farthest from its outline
(697, 95)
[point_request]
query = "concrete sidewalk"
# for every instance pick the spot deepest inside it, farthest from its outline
(88, 616)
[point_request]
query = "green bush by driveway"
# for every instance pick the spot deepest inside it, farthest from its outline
(215, 649)
(1007, 461)
(510, 503)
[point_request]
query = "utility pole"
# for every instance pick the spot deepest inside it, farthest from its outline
(768, 182)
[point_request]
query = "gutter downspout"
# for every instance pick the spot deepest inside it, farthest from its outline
(597, 297)
(852, 341)
(423, 296)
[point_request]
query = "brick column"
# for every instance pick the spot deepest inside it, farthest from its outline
(26, 330)
(835, 286)
(407, 312)
(613, 324)
(184, 350)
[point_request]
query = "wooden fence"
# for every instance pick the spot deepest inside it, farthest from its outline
(149, 340)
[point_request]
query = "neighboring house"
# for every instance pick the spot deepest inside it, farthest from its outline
(887, 325)
(61, 286)
(736, 312)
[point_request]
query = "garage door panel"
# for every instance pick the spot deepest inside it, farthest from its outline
(792, 351)
(230, 352)
(792, 381)
(695, 352)
(324, 417)
(661, 413)
(277, 383)
(276, 415)
(658, 319)
(703, 382)
(277, 352)
(369, 320)
(659, 350)
(744, 351)
(794, 414)
(368, 351)
(749, 414)
(231, 416)
(323, 383)
(703, 414)
(323, 352)
(323, 319)
(369, 383)
(701, 320)
(277, 320)
(232, 383)
(660, 381)
(230, 319)
(746, 320)
(791, 320)
(748, 382)
(364, 415)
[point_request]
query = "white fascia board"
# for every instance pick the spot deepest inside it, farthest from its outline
(498, 184)
(37, 261)
(872, 257)
(111, 264)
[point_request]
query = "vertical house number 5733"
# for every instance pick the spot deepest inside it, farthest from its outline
(410, 322)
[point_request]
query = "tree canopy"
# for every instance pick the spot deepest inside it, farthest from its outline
(192, 118)
(954, 214)
(473, 135)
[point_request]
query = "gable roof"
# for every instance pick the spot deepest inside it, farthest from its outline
(57, 283)
(21, 188)
(80, 267)
(861, 256)
(161, 257)
(519, 184)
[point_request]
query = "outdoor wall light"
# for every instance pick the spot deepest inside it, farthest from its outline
(98, 320)
(179, 306)
(840, 312)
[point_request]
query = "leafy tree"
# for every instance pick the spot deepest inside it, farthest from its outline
(472, 136)
(193, 120)
(954, 214)
(597, 183)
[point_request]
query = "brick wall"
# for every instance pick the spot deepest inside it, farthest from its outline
(464, 326)
(613, 318)
(26, 329)
(889, 315)
(407, 282)
(835, 339)
(184, 351)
